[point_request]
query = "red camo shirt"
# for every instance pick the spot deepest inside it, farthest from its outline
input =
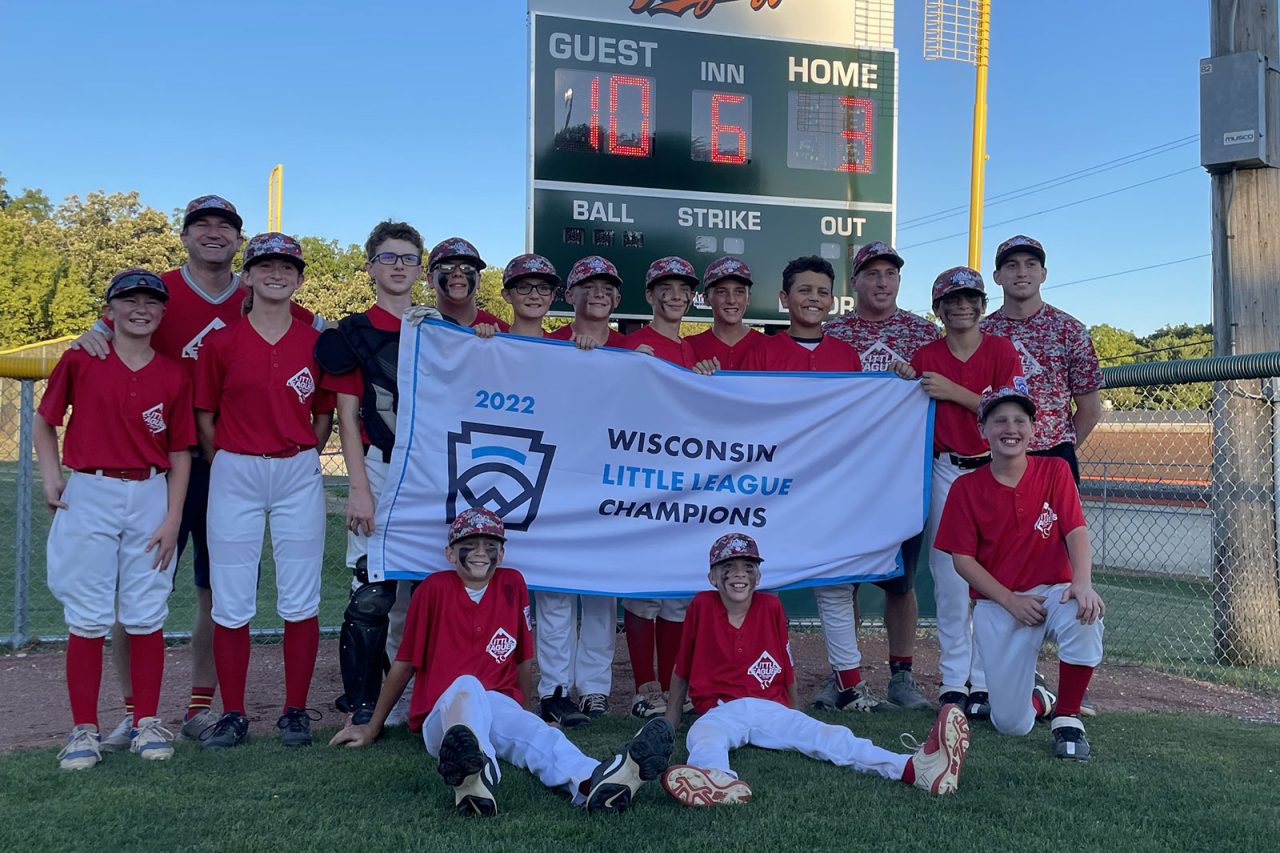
(447, 635)
(565, 333)
(677, 352)
(1059, 363)
(993, 364)
(781, 352)
(264, 394)
(879, 343)
(723, 663)
(1017, 534)
(119, 418)
(706, 346)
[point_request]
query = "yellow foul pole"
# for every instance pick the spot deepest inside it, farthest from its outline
(978, 170)
(275, 197)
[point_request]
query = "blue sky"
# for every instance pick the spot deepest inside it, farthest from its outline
(419, 110)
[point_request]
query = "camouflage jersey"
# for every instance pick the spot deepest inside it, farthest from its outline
(880, 342)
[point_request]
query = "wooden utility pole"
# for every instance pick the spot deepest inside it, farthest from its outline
(1246, 319)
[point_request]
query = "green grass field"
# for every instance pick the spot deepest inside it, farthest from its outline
(1158, 782)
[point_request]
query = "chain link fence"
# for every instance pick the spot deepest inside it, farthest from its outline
(1179, 485)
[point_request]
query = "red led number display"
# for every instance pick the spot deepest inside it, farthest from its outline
(616, 118)
(830, 133)
(721, 127)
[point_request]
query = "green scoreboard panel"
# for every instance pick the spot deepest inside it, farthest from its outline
(650, 141)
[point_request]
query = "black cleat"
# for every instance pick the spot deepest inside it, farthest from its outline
(1069, 742)
(295, 726)
(232, 729)
(644, 758)
(558, 709)
(464, 767)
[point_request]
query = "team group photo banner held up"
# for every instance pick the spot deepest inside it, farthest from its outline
(614, 471)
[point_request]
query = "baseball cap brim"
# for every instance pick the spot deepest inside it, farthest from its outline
(691, 280)
(453, 542)
(233, 218)
(756, 560)
(158, 294)
(475, 262)
(297, 262)
(1013, 250)
(892, 257)
(1025, 403)
(726, 277)
(617, 282)
(550, 278)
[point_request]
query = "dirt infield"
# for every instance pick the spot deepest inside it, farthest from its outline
(33, 702)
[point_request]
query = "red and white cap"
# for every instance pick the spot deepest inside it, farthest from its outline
(956, 279)
(876, 250)
(476, 522)
(137, 280)
(273, 244)
(726, 267)
(530, 266)
(455, 249)
(1019, 243)
(671, 267)
(1017, 393)
(211, 205)
(731, 546)
(593, 266)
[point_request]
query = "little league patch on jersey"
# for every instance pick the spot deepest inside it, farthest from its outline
(303, 383)
(1044, 523)
(765, 669)
(191, 349)
(154, 418)
(502, 644)
(878, 357)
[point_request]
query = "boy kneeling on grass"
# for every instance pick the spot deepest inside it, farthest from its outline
(468, 639)
(1016, 532)
(735, 664)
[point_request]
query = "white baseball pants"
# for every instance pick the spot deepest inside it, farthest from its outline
(573, 655)
(96, 548)
(508, 733)
(243, 491)
(1010, 650)
(769, 725)
(839, 629)
(671, 609)
(959, 662)
(358, 543)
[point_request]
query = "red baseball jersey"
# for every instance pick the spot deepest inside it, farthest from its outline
(1017, 534)
(994, 364)
(565, 333)
(190, 316)
(447, 635)
(120, 418)
(783, 352)
(1059, 363)
(677, 352)
(483, 316)
(264, 394)
(879, 343)
(706, 346)
(723, 663)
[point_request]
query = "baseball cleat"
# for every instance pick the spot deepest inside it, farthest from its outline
(151, 740)
(694, 786)
(937, 763)
(953, 697)
(295, 726)
(232, 729)
(464, 767)
(978, 705)
(614, 782)
(1043, 699)
(557, 708)
(1069, 742)
(649, 702)
(905, 693)
(121, 736)
(594, 705)
(826, 698)
(83, 749)
(860, 698)
(197, 724)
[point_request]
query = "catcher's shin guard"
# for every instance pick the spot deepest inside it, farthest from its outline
(362, 647)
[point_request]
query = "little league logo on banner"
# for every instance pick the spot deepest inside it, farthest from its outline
(615, 471)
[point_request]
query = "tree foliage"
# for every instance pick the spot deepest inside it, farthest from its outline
(1120, 346)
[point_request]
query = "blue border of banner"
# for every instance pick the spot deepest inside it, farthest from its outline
(813, 582)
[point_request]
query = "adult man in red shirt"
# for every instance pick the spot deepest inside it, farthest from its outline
(883, 333)
(726, 285)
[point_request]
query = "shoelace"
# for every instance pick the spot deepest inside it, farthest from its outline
(226, 721)
(294, 718)
(155, 730)
(82, 739)
(594, 702)
(909, 741)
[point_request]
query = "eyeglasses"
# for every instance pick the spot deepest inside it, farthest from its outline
(543, 288)
(447, 269)
(391, 258)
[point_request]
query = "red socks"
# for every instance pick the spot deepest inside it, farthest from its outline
(846, 679)
(146, 668)
(1073, 681)
(669, 634)
(301, 644)
(900, 664)
(909, 772)
(84, 677)
(201, 699)
(641, 635)
(231, 659)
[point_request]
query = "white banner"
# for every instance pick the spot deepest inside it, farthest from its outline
(614, 471)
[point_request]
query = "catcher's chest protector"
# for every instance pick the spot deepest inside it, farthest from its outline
(378, 354)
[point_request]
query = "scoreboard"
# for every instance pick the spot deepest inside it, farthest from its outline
(654, 140)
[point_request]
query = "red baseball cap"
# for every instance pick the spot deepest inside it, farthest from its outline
(671, 267)
(593, 266)
(135, 280)
(211, 205)
(726, 267)
(455, 248)
(957, 279)
(1017, 393)
(1019, 243)
(530, 266)
(273, 244)
(875, 251)
(732, 546)
(476, 522)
